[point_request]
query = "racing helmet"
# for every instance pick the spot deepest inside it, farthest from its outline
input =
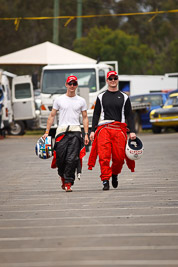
(134, 149)
(43, 148)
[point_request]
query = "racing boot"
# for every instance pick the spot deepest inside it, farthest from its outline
(63, 183)
(114, 180)
(105, 185)
(68, 187)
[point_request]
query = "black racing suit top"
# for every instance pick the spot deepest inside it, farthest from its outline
(113, 106)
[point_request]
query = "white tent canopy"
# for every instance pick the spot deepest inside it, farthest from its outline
(43, 54)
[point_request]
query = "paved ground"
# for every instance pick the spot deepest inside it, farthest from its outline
(134, 225)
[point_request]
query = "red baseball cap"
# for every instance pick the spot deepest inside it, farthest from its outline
(111, 73)
(71, 78)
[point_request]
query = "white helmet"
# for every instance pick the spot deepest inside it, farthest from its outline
(134, 149)
(44, 148)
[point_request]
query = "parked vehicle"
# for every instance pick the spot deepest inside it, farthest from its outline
(23, 100)
(7, 112)
(2, 132)
(19, 111)
(166, 117)
(155, 100)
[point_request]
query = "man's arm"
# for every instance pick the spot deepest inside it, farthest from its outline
(130, 119)
(50, 122)
(85, 125)
(96, 117)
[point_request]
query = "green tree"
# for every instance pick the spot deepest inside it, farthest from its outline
(157, 32)
(32, 32)
(155, 37)
(170, 58)
(133, 56)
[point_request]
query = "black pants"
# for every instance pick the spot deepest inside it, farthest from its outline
(67, 155)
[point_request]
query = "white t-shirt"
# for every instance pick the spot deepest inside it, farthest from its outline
(69, 109)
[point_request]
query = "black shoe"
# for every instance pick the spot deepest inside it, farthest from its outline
(114, 181)
(105, 185)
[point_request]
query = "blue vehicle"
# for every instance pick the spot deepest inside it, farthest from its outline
(155, 100)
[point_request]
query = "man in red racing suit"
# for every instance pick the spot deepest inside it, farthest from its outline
(113, 108)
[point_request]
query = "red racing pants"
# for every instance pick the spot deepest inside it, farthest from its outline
(111, 142)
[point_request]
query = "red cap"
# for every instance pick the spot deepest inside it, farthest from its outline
(111, 73)
(71, 78)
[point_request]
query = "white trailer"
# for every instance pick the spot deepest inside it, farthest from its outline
(144, 84)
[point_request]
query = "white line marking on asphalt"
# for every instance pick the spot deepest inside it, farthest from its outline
(94, 209)
(119, 196)
(89, 225)
(76, 203)
(89, 236)
(91, 217)
(81, 189)
(115, 248)
(94, 263)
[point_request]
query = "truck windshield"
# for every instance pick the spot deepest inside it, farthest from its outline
(172, 100)
(53, 81)
(153, 100)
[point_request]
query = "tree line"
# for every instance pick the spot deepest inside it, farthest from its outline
(141, 44)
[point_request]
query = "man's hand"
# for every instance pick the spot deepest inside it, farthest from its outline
(132, 136)
(45, 135)
(86, 140)
(92, 136)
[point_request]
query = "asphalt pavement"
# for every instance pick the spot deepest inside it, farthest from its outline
(134, 225)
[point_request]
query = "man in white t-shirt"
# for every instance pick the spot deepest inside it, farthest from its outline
(68, 134)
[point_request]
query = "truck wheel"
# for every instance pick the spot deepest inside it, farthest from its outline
(17, 128)
(138, 126)
(156, 129)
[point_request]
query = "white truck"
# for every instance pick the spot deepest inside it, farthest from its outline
(19, 111)
(91, 81)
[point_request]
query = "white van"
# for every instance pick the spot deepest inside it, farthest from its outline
(19, 112)
(24, 114)
(7, 113)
